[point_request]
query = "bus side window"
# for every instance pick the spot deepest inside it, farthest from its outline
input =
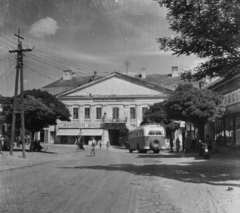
(151, 133)
(158, 132)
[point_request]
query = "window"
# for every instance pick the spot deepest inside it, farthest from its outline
(151, 133)
(75, 113)
(98, 113)
(132, 113)
(87, 113)
(144, 110)
(115, 112)
(158, 132)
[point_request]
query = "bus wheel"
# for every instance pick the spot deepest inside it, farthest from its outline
(130, 150)
(156, 151)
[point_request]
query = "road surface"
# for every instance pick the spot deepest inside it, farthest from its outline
(116, 181)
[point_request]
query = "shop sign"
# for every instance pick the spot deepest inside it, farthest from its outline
(114, 100)
(232, 98)
(78, 125)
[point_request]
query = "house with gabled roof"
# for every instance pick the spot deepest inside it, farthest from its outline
(101, 106)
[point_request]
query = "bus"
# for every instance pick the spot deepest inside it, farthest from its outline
(145, 138)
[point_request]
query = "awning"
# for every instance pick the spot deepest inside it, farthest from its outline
(68, 132)
(91, 132)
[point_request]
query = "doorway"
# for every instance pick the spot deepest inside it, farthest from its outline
(113, 137)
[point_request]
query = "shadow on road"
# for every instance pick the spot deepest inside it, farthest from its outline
(213, 171)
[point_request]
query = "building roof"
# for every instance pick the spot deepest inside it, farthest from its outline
(158, 82)
(127, 78)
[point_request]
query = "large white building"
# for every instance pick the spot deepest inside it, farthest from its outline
(101, 106)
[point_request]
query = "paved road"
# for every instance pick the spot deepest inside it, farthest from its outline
(113, 181)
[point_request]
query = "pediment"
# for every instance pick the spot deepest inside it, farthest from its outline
(113, 87)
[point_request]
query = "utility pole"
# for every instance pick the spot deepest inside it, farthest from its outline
(127, 63)
(19, 67)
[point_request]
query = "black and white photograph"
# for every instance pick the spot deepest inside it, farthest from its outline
(119, 106)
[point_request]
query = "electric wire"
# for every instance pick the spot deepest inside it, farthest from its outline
(7, 76)
(38, 72)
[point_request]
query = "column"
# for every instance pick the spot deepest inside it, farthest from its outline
(139, 114)
(81, 114)
(127, 112)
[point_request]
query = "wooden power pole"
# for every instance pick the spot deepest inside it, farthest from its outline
(19, 68)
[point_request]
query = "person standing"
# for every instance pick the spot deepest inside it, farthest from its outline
(100, 144)
(107, 144)
(1, 144)
(177, 144)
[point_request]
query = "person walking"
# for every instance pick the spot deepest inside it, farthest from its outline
(107, 144)
(93, 144)
(177, 144)
(1, 144)
(100, 144)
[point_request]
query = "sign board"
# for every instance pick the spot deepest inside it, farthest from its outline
(79, 125)
(232, 98)
(113, 99)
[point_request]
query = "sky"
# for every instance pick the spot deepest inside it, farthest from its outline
(84, 36)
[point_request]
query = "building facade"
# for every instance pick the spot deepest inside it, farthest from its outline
(102, 106)
(227, 129)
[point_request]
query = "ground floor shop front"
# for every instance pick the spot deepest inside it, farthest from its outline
(69, 133)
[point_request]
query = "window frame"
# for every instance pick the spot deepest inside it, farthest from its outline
(85, 113)
(97, 113)
(132, 115)
(115, 115)
(75, 113)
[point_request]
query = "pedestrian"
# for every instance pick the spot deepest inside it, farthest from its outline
(1, 144)
(171, 144)
(107, 144)
(177, 144)
(100, 144)
(93, 144)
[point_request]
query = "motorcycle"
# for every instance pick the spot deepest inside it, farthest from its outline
(206, 151)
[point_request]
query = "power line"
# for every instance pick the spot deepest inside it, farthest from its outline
(7, 76)
(38, 73)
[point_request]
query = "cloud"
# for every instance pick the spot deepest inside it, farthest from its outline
(44, 27)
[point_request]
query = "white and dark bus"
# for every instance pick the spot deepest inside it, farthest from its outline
(145, 138)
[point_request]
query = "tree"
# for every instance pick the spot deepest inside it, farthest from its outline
(41, 110)
(188, 103)
(209, 29)
(157, 113)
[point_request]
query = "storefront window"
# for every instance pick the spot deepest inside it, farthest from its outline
(132, 113)
(75, 113)
(98, 113)
(219, 128)
(87, 113)
(237, 133)
(229, 131)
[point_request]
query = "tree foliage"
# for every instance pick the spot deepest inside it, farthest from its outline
(188, 103)
(209, 29)
(157, 113)
(41, 110)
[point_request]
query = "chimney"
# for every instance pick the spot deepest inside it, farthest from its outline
(67, 75)
(95, 74)
(175, 71)
(143, 74)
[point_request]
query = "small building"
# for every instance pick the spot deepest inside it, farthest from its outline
(101, 106)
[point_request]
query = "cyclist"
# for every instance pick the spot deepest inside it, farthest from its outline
(93, 144)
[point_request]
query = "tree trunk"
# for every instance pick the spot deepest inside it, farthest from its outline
(201, 132)
(31, 142)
